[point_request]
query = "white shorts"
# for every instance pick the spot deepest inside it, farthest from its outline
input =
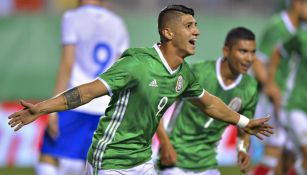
(177, 171)
(297, 127)
(143, 169)
(264, 108)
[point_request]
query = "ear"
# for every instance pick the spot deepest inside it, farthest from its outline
(226, 51)
(167, 33)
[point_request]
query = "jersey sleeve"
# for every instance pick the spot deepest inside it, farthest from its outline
(121, 75)
(249, 110)
(68, 29)
(194, 90)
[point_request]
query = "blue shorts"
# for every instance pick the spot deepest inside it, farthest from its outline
(76, 130)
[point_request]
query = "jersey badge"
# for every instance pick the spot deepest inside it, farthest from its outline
(235, 104)
(179, 83)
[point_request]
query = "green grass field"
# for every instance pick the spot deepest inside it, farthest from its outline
(30, 171)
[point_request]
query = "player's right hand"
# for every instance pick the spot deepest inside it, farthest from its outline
(53, 126)
(23, 117)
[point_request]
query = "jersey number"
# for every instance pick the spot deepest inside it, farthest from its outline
(161, 105)
(102, 55)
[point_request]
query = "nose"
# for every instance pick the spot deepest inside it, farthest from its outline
(196, 31)
(250, 57)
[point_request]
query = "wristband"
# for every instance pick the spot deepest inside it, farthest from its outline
(240, 146)
(243, 121)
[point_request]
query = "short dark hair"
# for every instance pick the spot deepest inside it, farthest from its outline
(179, 8)
(170, 13)
(238, 33)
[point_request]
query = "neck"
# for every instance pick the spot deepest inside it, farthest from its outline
(172, 58)
(91, 2)
(294, 17)
(227, 73)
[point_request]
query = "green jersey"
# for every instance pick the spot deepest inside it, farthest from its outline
(278, 30)
(142, 86)
(195, 136)
(298, 45)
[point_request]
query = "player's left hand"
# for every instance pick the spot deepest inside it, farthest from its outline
(259, 128)
(243, 161)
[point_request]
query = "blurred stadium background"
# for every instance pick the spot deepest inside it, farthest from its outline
(30, 50)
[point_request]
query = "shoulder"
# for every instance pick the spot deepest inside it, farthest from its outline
(275, 24)
(203, 64)
(68, 15)
(112, 16)
(203, 67)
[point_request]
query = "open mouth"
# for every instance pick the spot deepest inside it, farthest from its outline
(192, 41)
(246, 66)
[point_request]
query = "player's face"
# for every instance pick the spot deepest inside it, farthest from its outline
(241, 55)
(185, 33)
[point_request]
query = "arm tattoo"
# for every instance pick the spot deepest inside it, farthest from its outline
(72, 98)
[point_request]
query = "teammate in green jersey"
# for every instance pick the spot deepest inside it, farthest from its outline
(280, 28)
(296, 115)
(142, 84)
(191, 146)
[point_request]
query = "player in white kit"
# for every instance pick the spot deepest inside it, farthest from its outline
(93, 37)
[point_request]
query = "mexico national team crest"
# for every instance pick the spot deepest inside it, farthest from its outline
(235, 104)
(179, 84)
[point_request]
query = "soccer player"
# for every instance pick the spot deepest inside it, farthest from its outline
(191, 146)
(280, 28)
(93, 37)
(143, 83)
(296, 110)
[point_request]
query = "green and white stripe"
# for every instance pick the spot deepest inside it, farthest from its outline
(116, 120)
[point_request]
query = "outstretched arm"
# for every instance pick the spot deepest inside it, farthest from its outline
(68, 100)
(216, 108)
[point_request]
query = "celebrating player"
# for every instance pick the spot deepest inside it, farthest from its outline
(142, 85)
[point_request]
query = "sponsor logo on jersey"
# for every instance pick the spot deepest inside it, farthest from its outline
(179, 83)
(153, 83)
(235, 104)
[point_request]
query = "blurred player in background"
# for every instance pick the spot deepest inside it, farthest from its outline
(280, 28)
(93, 37)
(192, 143)
(296, 110)
(142, 85)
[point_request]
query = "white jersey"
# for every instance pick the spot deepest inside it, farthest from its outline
(100, 37)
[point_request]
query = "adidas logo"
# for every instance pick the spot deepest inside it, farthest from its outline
(153, 83)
